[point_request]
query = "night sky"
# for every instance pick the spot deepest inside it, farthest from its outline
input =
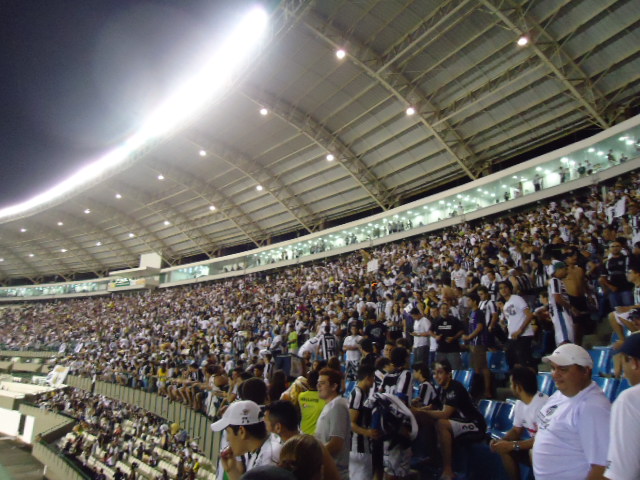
(77, 77)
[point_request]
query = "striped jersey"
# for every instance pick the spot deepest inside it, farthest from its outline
(357, 399)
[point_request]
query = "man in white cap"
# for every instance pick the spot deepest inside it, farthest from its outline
(247, 436)
(573, 426)
(624, 461)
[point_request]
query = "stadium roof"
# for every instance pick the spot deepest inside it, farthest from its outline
(337, 138)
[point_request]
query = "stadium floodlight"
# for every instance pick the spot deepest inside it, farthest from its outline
(522, 41)
(341, 53)
(60, 224)
(264, 111)
(202, 153)
(218, 67)
(118, 196)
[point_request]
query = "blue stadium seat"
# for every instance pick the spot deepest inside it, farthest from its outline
(622, 386)
(466, 360)
(602, 360)
(609, 386)
(488, 409)
(545, 383)
(503, 420)
(498, 362)
(465, 377)
(350, 385)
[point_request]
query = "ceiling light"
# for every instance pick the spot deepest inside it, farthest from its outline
(1, 259)
(622, 139)
(118, 196)
(87, 211)
(23, 230)
(263, 111)
(591, 150)
(160, 177)
(330, 157)
(629, 142)
(340, 53)
(202, 153)
(131, 235)
(259, 188)
(63, 250)
(60, 224)
(31, 255)
(410, 111)
(212, 208)
(522, 41)
(167, 222)
(98, 244)
(218, 70)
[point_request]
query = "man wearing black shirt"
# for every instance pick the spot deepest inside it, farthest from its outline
(614, 277)
(447, 331)
(458, 418)
(376, 331)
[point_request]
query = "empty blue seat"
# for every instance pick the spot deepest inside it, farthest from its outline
(502, 421)
(498, 362)
(350, 385)
(545, 383)
(466, 360)
(609, 386)
(465, 377)
(602, 360)
(488, 409)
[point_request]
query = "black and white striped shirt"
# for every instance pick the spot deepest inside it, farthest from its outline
(488, 307)
(357, 399)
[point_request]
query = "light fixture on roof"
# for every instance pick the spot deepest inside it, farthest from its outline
(218, 69)
(1, 259)
(87, 211)
(63, 250)
(522, 41)
(118, 196)
(98, 244)
(131, 235)
(410, 111)
(263, 111)
(23, 230)
(212, 208)
(259, 188)
(330, 157)
(31, 255)
(202, 153)
(167, 222)
(60, 224)
(160, 177)
(591, 150)
(341, 53)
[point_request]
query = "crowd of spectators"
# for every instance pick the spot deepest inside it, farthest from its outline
(522, 283)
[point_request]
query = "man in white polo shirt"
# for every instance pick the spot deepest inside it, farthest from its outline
(624, 458)
(573, 426)
(519, 316)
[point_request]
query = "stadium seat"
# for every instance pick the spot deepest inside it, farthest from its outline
(602, 360)
(498, 362)
(502, 421)
(545, 383)
(609, 386)
(465, 377)
(466, 360)
(349, 386)
(488, 409)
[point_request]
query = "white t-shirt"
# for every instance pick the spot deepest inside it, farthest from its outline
(267, 454)
(352, 341)
(421, 326)
(514, 312)
(525, 415)
(573, 434)
(624, 458)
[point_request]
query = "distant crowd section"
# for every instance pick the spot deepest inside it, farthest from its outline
(521, 284)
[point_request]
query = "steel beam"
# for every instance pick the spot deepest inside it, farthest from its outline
(547, 49)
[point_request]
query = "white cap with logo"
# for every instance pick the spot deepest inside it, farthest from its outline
(570, 354)
(243, 412)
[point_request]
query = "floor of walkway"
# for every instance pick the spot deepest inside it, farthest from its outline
(16, 462)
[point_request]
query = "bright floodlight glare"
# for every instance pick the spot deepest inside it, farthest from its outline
(87, 211)
(31, 255)
(167, 222)
(263, 111)
(60, 224)
(131, 235)
(160, 177)
(212, 208)
(98, 244)
(330, 157)
(203, 153)
(23, 230)
(340, 53)
(259, 188)
(522, 41)
(63, 250)
(118, 196)
(411, 111)
(218, 68)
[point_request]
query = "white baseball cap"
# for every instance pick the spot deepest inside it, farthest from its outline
(243, 412)
(570, 354)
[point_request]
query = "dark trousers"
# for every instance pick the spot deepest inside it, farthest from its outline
(519, 352)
